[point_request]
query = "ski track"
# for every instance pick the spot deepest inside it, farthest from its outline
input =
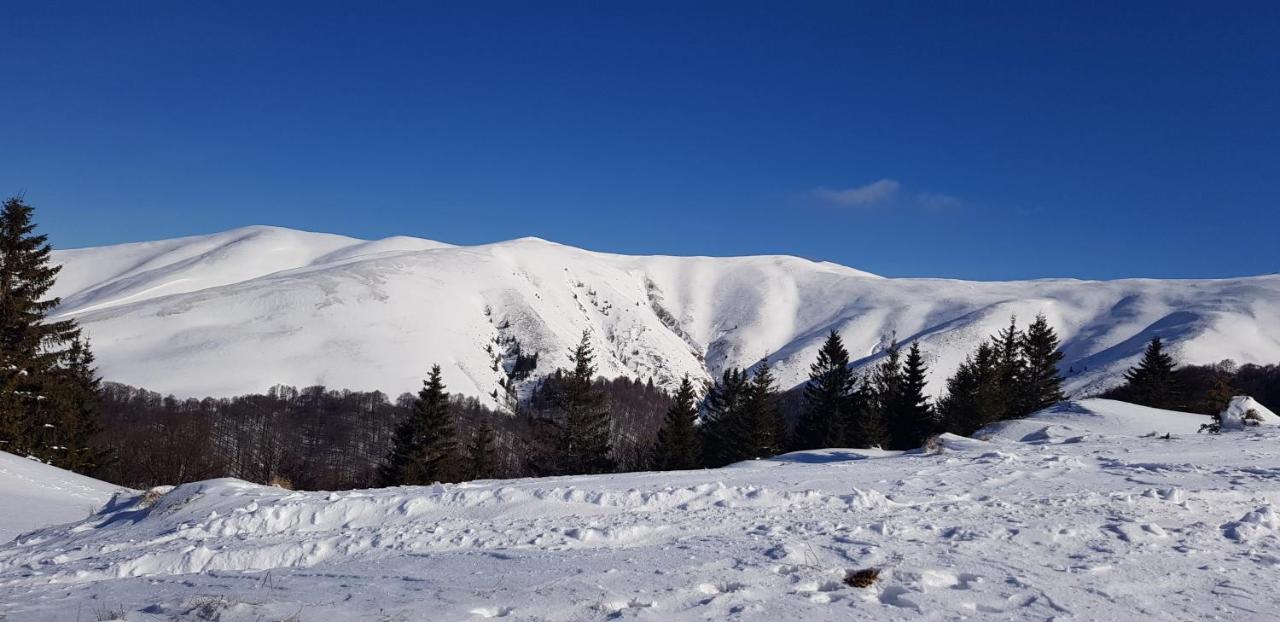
(1080, 523)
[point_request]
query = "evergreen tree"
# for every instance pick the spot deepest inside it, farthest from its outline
(912, 413)
(828, 398)
(886, 395)
(766, 428)
(424, 447)
(1153, 383)
(584, 420)
(1010, 369)
(974, 395)
(678, 447)
(32, 349)
(481, 455)
(865, 426)
(75, 397)
(1041, 385)
(723, 428)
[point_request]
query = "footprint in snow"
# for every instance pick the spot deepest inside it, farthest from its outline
(492, 612)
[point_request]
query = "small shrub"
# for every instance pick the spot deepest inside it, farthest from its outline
(109, 614)
(150, 497)
(280, 481)
(862, 578)
(1252, 417)
(933, 444)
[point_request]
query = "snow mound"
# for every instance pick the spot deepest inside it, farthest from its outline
(35, 495)
(1244, 411)
(1076, 420)
(976, 529)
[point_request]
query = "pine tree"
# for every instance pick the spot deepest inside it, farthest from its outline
(678, 447)
(912, 412)
(32, 349)
(1041, 385)
(886, 394)
(722, 427)
(766, 427)
(974, 395)
(75, 396)
(481, 456)
(828, 398)
(1153, 383)
(424, 447)
(1010, 367)
(584, 420)
(865, 426)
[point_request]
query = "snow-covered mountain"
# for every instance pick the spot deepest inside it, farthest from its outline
(239, 311)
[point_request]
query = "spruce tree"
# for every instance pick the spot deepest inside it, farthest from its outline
(913, 413)
(424, 447)
(865, 426)
(886, 394)
(828, 398)
(1010, 369)
(75, 397)
(1152, 382)
(585, 424)
(481, 455)
(677, 447)
(1041, 385)
(33, 350)
(974, 395)
(766, 428)
(722, 430)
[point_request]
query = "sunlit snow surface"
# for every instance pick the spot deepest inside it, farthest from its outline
(1084, 512)
(35, 495)
(238, 311)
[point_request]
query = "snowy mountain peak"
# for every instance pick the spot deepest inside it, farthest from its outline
(238, 311)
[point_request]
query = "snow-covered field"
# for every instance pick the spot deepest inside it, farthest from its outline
(1084, 512)
(273, 305)
(34, 495)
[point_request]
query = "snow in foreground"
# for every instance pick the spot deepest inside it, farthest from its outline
(1078, 513)
(35, 495)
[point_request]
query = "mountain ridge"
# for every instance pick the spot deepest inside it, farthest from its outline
(238, 311)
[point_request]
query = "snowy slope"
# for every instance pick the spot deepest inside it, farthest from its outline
(35, 495)
(1095, 417)
(1102, 525)
(238, 311)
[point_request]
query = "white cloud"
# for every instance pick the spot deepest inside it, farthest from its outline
(873, 193)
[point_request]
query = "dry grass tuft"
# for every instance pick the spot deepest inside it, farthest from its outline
(862, 578)
(280, 481)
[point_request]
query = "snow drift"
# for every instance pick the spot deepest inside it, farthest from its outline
(235, 312)
(35, 495)
(1244, 411)
(1106, 522)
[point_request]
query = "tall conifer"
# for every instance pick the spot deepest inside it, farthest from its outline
(35, 352)
(424, 447)
(1152, 382)
(583, 444)
(828, 398)
(1041, 385)
(678, 447)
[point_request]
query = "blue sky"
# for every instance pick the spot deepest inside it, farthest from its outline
(961, 139)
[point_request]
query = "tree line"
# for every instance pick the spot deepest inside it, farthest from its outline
(54, 408)
(1159, 381)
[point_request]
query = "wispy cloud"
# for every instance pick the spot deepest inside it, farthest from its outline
(935, 200)
(874, 193)
(886, 191)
